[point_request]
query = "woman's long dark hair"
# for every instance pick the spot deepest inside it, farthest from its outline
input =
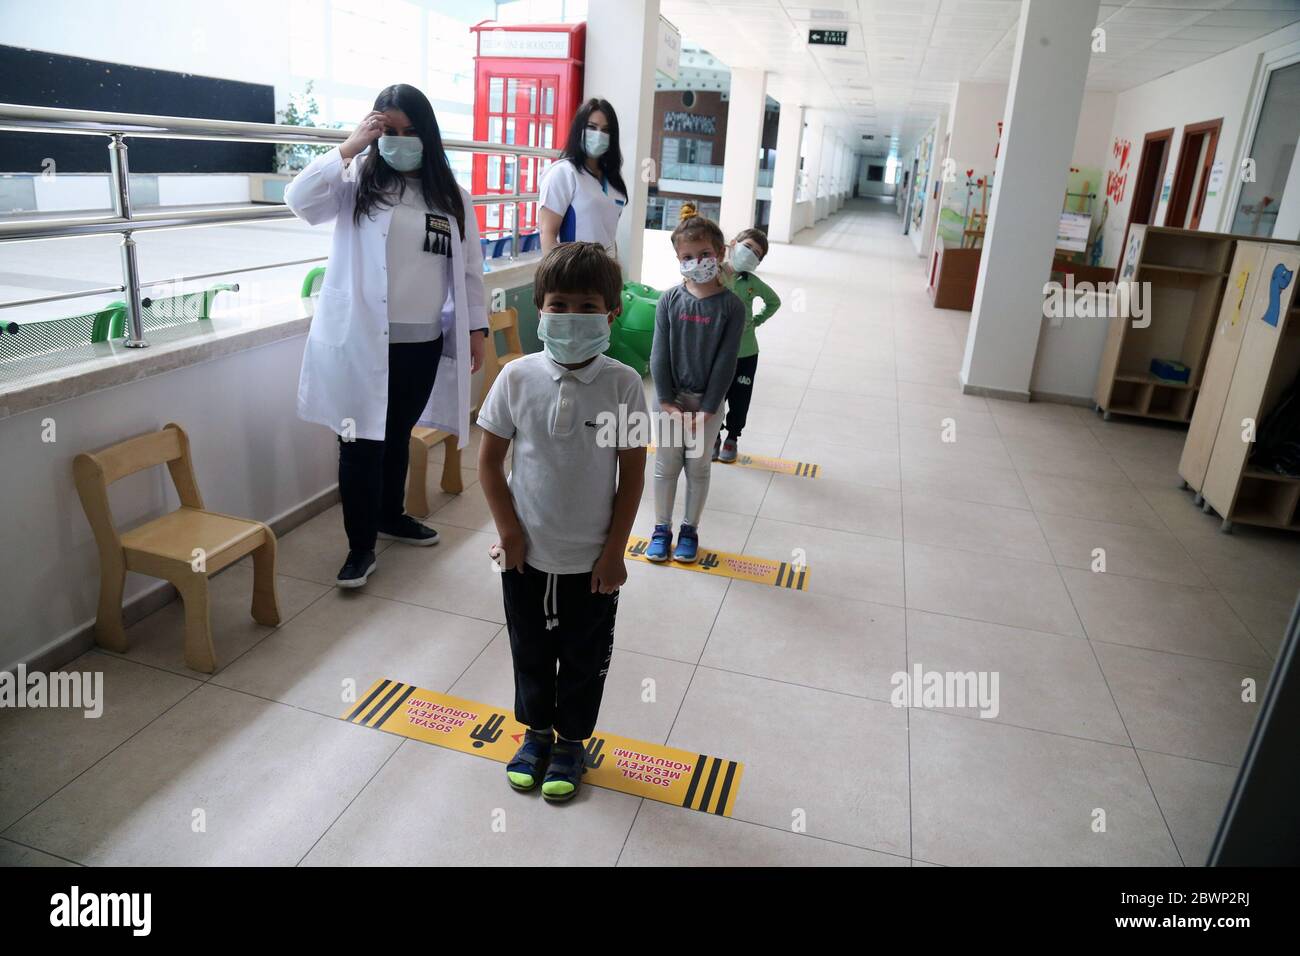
(575, 149)
(381, 185)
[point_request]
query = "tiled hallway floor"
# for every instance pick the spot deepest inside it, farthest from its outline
(1120, 692)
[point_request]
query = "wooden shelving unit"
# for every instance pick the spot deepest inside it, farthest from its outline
(1186, 272)
(1252, 362)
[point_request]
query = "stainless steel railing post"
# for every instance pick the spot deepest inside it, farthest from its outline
(120, 170)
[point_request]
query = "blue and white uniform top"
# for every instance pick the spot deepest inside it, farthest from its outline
(590, 205)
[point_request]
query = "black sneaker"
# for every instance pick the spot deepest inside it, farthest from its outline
(356, 569)
(409, 531)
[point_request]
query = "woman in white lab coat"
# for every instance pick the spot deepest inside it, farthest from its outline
(400, 323)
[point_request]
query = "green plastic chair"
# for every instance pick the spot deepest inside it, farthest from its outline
(313, 281)
(164, 312)
(41, 337)
(20, 340)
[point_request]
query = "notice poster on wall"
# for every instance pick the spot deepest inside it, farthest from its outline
(1216, 179)
(1072, 232)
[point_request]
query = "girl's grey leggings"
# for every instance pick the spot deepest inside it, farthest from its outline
(669, 462)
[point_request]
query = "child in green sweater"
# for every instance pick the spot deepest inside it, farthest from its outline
(747, 251)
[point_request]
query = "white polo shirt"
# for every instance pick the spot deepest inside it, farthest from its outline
(590, 205)
(561, 480)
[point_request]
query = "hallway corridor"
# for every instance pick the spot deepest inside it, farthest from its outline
(1120, 693)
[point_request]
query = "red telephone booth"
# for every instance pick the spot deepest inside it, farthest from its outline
(527, 86)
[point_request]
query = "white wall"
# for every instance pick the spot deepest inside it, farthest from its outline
(252, 455)
(622, 37)
(1219, 87)
(978, 107)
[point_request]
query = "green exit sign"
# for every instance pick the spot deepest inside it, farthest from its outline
(829, 37)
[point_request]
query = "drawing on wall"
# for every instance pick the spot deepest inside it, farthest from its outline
(964, 209)
(1131, 256)
(922, 173)
(1117, 178)
(1280, 279)
(1098, 240)
(1243, 277)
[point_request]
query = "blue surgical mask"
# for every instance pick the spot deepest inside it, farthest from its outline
(573, 337)
(743, 258)
(403, 153)
(699, 270)
(595, 142)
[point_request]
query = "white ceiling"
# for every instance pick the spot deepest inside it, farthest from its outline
(904, 56)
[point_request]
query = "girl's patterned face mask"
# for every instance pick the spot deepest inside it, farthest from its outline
(699, 270)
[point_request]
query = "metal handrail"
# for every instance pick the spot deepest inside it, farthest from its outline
(123, 222)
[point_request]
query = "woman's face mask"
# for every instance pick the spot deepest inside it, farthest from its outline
(573, 337)
(403, 153)
(743, 258)
(595, 142)
(704, 269)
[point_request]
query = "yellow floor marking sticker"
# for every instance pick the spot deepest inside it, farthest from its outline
(742, 567)
(653, 771)
(782, 466)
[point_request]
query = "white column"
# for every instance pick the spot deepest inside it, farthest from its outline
(813, 162)
(622, 38)
(840, 174)
(785, 178)
(832, 174)
(744, 139)
(1041, 121)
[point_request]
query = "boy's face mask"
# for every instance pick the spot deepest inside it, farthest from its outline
(403, 153)
(704, 269)
(573, 337)
(743, 258)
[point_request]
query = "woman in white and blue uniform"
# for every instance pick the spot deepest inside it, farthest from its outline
(582, 193)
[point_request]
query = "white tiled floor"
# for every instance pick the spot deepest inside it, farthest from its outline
(1119, 692)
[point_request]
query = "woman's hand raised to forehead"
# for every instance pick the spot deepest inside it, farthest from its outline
(368, 130)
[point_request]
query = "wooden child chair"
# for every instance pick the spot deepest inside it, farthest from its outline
(166, 547)
(424, 439)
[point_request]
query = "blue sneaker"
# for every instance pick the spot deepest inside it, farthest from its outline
(688, 545)
(660, 543)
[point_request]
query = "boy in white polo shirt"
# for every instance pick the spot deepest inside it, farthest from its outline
(565, 513)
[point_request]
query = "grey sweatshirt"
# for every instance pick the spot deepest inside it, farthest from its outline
(695, 345)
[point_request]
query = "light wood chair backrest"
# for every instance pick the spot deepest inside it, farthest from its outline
(95, 471)
(507, 323)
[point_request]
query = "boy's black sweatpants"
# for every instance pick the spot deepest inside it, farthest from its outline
(739, 394)
(561, 639)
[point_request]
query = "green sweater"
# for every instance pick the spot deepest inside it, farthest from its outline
(750, 287)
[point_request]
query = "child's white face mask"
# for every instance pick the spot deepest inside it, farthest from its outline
(573, 337)
(743, 258)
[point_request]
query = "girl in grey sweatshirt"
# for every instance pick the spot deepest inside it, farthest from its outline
(698, 327)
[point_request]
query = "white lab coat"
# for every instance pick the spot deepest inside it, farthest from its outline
(345, 364)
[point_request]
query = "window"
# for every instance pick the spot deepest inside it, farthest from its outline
(1273, 152)
(694, 152)
(520, 113)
